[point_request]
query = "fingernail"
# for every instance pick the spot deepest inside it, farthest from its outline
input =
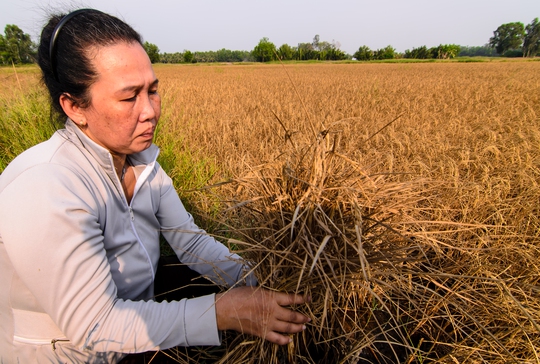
(304, 327)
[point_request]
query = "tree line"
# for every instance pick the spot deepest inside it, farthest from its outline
(516, 39)
(509, 40)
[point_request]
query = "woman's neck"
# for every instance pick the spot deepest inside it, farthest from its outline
(120, 161)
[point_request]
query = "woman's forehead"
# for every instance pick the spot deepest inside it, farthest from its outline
(122, 62)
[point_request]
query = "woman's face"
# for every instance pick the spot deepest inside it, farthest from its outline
(125, 106)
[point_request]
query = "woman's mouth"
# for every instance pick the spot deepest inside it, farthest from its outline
(148, 134)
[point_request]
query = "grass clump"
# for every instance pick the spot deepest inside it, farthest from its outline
(390, 281)
(24, 116)
(418, 243)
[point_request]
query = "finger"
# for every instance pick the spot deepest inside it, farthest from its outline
(284, 314)
(287, 327)
(285, 299)
(277, 338)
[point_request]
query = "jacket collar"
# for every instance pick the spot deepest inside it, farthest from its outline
(146, 158)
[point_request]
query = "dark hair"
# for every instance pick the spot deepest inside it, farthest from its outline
(78, 34)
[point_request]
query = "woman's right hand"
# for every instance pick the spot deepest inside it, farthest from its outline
(260, 312)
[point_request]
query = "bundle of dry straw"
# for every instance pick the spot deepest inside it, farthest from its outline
(389, 283)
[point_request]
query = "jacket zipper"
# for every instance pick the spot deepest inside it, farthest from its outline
(132, 215)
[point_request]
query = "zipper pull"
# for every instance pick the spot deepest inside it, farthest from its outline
(54, 341)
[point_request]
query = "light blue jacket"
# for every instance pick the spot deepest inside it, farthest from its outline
(77, 263)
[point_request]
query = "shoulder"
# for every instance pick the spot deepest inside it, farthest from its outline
(49, 162)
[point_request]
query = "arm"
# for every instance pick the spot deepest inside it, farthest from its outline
(194, 246)
(49, 221)
(249, 310)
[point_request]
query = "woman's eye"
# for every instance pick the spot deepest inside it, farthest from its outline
(131, 99)
(153, 92)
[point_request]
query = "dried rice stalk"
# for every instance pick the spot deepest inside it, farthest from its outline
(389, 283)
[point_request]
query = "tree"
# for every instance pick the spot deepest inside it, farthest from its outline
(188, 56)
(224, 55)
(265, 51)
(445, 51)
(474, 51)
(315, 42)
(531, 42)
(305, 51)
(387, 52)
(171, 57)
(418, 53)
(285, 52)
(152, 50)
(16, 46)
(335, 54)
(507, 37)
(3, 53)
(204, 57)
(364, 53)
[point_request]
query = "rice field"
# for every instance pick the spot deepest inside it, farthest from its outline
(404, 198)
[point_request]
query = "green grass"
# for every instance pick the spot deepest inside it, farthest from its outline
(24, 121)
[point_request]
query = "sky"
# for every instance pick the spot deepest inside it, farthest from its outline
(210, 25)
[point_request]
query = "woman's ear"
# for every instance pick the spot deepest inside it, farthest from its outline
(72, 109)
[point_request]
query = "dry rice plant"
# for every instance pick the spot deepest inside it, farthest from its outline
(418, 243)
(389, 284)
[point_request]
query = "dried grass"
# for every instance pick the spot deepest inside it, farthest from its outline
(388, 283)
(418, 239)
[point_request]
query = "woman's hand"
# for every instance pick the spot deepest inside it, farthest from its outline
(260, 312)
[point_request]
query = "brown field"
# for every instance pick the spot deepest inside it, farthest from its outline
(473, 126)
(404, 198)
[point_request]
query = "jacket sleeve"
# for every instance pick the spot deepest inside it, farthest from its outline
(194, 247)
(50, 227)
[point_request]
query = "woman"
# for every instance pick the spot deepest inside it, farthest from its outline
(81, 215)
